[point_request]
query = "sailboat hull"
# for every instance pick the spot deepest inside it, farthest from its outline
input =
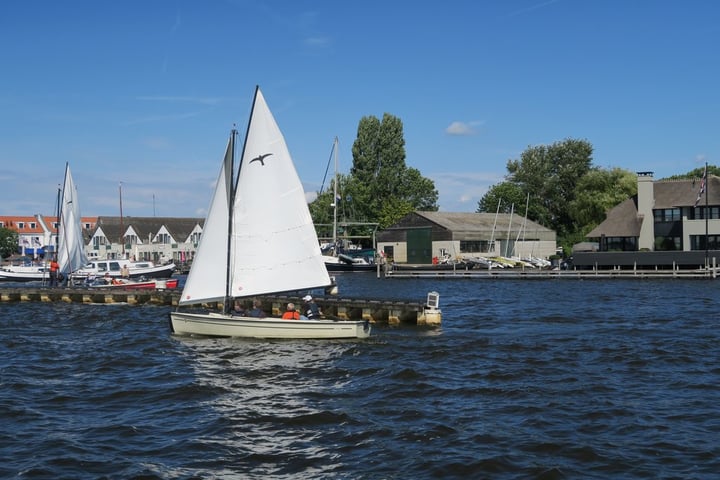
(221, 325)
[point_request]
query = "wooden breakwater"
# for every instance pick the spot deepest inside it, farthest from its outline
(391, 312)
(537, 274)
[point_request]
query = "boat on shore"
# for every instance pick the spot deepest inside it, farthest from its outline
(263, 208)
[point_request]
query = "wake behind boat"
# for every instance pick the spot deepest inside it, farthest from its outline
(263, 209)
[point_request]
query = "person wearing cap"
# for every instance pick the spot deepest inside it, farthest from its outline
(312, 311)
(291, 313)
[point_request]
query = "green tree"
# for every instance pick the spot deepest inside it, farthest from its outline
(501, 197)
(697, 173)
(549, 173)
(8, 242)
(380, 188)
(597, 192)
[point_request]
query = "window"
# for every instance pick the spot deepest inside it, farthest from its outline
(698, 213)
(622, 244)
(667, 215)
(474, 246)
(21, 225)
(697, 242)
(668, 243)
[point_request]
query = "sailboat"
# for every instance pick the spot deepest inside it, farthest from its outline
(258, 239)
(70, 244)
(339, 261)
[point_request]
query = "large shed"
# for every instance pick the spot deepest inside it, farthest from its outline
(420, 236)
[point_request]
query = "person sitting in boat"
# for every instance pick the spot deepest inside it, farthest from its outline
(257, 310)
(312, 310)
(291, 313)
(107, 278)
(238, 309)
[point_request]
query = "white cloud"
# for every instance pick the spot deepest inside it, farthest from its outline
(463, 128)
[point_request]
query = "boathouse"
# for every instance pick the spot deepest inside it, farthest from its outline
(421, 236)
(667, 224)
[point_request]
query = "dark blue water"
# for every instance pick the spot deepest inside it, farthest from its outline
(546, 379)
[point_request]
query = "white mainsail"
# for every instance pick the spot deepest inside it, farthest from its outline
(207, 280)
(71, 246)
(274, 244)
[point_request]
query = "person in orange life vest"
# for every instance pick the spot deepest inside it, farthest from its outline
(291, 313)
(54, 267)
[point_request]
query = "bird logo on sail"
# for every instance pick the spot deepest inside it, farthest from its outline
(261, 158)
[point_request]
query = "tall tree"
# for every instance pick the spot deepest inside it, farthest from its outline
(380, 181)
(549, 174)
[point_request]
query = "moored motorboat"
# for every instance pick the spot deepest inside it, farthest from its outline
(25, 273)
(346, 263)
(114, 268)
(129, 284)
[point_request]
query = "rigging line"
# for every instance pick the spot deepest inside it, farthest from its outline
(327, 169)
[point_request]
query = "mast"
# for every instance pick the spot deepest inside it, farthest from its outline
(512, 210)
(707, 215)
(335, 197)
(492, 234)
(122, 240)
(57, 212)
(233, 191)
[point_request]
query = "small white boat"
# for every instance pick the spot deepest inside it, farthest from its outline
(24, 273)
(147, 269)
(128, 284)
(263, 209)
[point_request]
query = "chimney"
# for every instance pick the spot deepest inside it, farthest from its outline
(645, 203)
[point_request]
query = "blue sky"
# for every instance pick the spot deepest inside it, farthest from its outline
(145, 92)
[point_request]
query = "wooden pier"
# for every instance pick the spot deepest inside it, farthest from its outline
(537, 274)
(376, 311)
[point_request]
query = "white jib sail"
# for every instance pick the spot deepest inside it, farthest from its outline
(71, 248)
(207, 278)
(274, 246)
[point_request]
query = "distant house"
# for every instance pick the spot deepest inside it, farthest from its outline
(668, 222)
(37, 234)
(420, 236)
(160, 239)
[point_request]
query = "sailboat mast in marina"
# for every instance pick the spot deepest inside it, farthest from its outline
(71, 245)
(258, 239)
